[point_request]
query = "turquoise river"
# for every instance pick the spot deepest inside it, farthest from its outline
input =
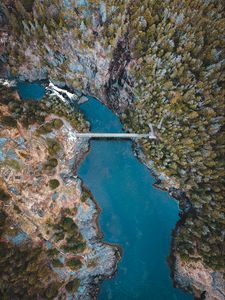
(134, 214)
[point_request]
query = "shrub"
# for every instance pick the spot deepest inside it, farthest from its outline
(28, 4)
(51, 163)
(66, 222)
(16, 208)
(73, 286)
(52, 252)
(4, 196)
(15, 106)
(8, 121)
(45, 129)
(84, 196)
(2, 218)
(73, 263)
(53, 183)
(59, 236)
(52, 290)
(57, 123)
(56, 263)
(53, 146)
(48, 127)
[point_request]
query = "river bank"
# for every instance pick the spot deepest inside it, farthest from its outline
(181, 274)
(95, 283)
(204, 283)
(65, 200)
(195, 286)
(110, 171)
(80, 155)
(208, 284)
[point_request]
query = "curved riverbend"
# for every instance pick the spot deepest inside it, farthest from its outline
(134, 215)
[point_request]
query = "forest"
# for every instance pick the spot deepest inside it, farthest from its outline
(172, 62)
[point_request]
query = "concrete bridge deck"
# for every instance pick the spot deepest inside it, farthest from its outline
(115, 135)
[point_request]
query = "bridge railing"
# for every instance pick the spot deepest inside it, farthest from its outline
(115, 135)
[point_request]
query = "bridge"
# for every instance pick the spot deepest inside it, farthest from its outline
(150, 135)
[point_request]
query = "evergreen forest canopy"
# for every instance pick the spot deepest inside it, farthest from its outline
(171, 56)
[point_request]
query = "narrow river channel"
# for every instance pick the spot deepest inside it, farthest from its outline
(134, 215)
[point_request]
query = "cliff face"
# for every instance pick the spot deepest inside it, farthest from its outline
(44, 205)
(58, 52)
(197, 277)
(152, 63)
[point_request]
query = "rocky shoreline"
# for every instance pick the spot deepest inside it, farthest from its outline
(183, 201)
(191, 284)
(108, 255)
(211, 288)
(107, 260)
(99, 259)
(202, 282)
(185, 206)
(94, 284)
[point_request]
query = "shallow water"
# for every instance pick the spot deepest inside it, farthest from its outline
(135, 215)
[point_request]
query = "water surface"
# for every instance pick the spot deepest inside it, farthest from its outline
(30, 90)
(135, 215)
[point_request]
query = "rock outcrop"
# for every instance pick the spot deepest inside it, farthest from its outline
(204, 282)
(44, 203)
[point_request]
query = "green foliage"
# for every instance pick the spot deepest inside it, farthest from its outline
(51, 163)
(6, 96)
(56, 263)
(73, 263)
(12, 163)
(169, 56)
(70, 113)
(48, 127)
(45, 129)
(24, 269)
(53, 146)
(53, 183)
(52, 290)
(8, 121)
(57, 123)
(15, 107)
(59, 235)
(84, 196)
(175, 73)
(68, 224)
(67, 230)
(2, 214)
(4, 196)
(26, 112)
(76, 246)
(52, 252)
(73, 286)
(28, 4)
